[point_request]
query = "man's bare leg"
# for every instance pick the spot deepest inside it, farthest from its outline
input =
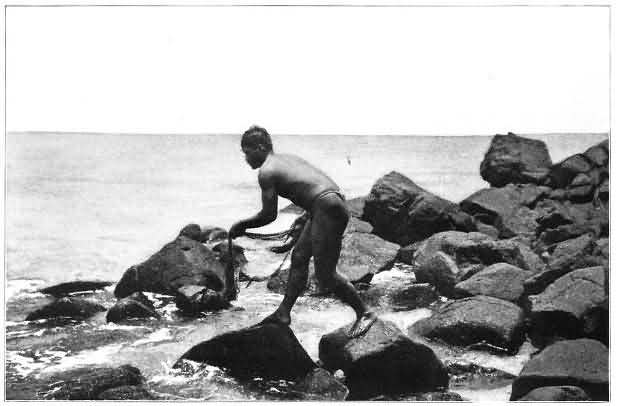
(327, 234)
(298, 277)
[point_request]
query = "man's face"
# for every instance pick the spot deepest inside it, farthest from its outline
(254, 155)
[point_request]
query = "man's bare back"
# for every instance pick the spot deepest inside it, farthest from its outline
(295, 179)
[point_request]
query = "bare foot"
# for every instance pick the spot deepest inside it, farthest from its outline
(276, 318)
(362, 325)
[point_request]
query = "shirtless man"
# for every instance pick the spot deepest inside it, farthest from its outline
(293, 178)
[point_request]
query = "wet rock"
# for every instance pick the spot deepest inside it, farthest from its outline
(269, 351)
(135, 306)
(194, 299)
(582, 363)
(320, 384)
(413, 296)
(562, 173)
(192, 231)
(88, 383)
(473, 320)
(501, 280)
(581, 194)
(384, 361)
(402, 212)
(440, 271)
(489, 230)
(568, 255)
(64, 289)
(356, 206)
(363, 255)
(560, 309)
(67, 307)
(396, 290)
(603, 190)
(356, 225)
(181, 262)
(448, 242)
(128, 392)
(596, 321)
(277, 282)
(514, 159)
(598, 154)
(239, 259)
(469, 375)
(446, 396)
(556, 394)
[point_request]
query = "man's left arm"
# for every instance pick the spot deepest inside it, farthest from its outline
(269, 209)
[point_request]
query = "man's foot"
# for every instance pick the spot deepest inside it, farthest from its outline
(276, 318)
(362, 325)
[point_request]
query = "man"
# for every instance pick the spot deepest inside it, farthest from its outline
(293, 178)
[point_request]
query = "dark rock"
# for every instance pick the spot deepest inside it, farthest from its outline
(598, 154)
(562, 174)
(501, 280)
(601, 251)
(596, 321)
(445, 396)
(603, 190)
(128, 392)
(88, 383)
(194, 299)
(560, 309)
(402, 212)
(581, 194)
(181, 262)
(137, 305)
(581, 179)
(363, 255)
(582, 363)
(64, 289)
(319, 384)
(210, 234)
(471, 376)
(192, 231)
(383, 361)
(440, 271)
(554, 214)
(476, 319)
(67, 307)
(239, 259)
(514, 159)
(356, 206)
(489, 230)
(414, 296)
(269, 351)
(277, 282)
(396, 290)
(568, 255)
(556, 394)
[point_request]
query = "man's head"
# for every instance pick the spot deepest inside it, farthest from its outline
(256, 145)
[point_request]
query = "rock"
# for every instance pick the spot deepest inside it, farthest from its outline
(556, 394)
(210, 234)
(598, 154)
(181, 262)
(414, 296)
(445, 396)
(568, 255)
(239, 259)
(356, 225)
(473, 320)
(487, 229)
(469, 375)
(562, 174)
(596, 320)
(64, 289)
(67, 307)
(514, 159)
(127, 392)
(383, 361)
(402, 212)
(356, 206)
(581, 194)
(277, 282)
(88, 383)
(192, 231)
(319, 384)
(582, 363)
(194, 299)
(440, 271)
(469, 249)
(396, 290)
(500, 280)
(269, 351)
(137, 305)
(603, 190)
(559, 310)
(363, 255)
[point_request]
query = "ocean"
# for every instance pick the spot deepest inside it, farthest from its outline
(88, 206)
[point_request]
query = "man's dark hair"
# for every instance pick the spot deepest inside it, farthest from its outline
(257, 136)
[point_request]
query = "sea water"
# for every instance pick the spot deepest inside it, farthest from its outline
(88, 206)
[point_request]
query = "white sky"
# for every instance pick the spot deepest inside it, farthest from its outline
(318, 70)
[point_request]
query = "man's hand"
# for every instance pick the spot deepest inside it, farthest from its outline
(237, 230)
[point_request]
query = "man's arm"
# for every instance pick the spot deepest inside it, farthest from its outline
(269, 209)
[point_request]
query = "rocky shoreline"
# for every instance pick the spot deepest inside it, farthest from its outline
(524, 260)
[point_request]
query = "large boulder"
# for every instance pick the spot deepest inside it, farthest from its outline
(396, 290)
(134, 306)
(564, 172)
(183, 261)
(194, 299)
(567, 256)
(127, 392)
(561, 309)
(269, 351)
(500, 280)
(67, 307)
(402, 212)
(383, 361)
(509, 209)
(67, 288)
(556, 394)
(473, 320)
(320, 384)
(442, 272)
(514, 159)
(582, 363)
(89, 383)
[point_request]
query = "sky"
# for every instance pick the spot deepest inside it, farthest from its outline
(308, 70)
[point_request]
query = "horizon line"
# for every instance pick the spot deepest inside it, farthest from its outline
(42, 132)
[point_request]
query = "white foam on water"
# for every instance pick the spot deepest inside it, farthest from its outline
(404, 320)
(101, 355)
(25, 366)
(163, 334)
(21, 334)
(19, 288)
(114, 326)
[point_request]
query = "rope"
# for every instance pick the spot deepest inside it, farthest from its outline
(269, 237)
